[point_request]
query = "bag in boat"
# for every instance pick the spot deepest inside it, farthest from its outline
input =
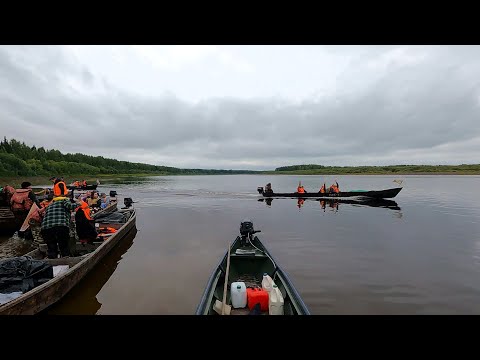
(23, 274)
(114, 217)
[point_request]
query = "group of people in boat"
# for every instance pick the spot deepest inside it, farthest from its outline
(334, 188)
(78, 183)
(51, 220)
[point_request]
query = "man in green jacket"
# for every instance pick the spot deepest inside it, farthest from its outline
(56, 226)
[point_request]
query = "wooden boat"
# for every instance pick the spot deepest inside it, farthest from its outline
(88, 187)
(247, 260)
(48, 293)
(377, 194)
(83, 297)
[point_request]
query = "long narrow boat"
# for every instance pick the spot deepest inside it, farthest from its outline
(88, 187)
(83, 297)
(249, 261)
(48, 293)
(377, 194)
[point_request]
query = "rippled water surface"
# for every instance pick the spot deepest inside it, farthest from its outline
(418, 254)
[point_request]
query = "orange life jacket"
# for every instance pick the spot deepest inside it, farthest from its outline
(20, 200)
(107, 229)
(84, 183)
(300, 189)
(334, 189)
(322, 189)
(86, 210)
(57, 191)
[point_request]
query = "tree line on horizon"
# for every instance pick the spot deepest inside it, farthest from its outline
(387, 169)
(19, 159)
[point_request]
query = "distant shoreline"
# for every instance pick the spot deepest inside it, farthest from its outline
(15, 181)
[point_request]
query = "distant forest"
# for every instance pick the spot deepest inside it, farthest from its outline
(312, 169)
(19, 159)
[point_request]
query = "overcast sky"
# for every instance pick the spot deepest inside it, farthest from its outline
(246, 107)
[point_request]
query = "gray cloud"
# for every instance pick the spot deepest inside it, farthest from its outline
(391, 106)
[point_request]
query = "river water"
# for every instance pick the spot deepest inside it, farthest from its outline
(417, 254)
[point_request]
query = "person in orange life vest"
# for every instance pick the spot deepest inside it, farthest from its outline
(21, 202)
(334, 188)
(59, 187)
(84, 183)
(84, 223)
(322, 189)
(300, 188)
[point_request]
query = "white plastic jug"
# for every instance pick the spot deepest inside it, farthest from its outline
(238, 293)
(267, 282)
(275, 301)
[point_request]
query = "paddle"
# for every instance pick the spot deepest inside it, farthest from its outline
(226, 282)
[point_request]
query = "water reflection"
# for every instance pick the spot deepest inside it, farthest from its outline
(82, 299)
(333, 204)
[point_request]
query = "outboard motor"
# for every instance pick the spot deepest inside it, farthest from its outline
(260, 189)
(247, 231)
(128, 202)
(246, 227)
(113, 193)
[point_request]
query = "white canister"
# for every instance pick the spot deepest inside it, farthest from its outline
(238, 293)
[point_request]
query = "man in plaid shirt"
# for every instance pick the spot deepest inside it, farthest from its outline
(56, 226)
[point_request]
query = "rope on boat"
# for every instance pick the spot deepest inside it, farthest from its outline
(274, 265)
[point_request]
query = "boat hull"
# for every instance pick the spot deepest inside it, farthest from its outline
(375, 194)
(254, 265)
